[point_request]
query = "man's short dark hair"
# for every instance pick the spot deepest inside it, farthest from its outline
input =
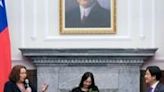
(154, 71)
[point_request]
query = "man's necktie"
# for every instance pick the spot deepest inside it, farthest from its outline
(84, 18)
(150, 89)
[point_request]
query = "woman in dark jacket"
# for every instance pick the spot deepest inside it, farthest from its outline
(18, 81)
(87, 84)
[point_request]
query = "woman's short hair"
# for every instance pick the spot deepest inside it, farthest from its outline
(15, 73)
(85, 76)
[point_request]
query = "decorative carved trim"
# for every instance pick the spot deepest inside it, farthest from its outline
(28, 52)
(89, 60)
(88, 56)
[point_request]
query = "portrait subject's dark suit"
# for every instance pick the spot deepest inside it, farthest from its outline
(159, 88)
(97, 18)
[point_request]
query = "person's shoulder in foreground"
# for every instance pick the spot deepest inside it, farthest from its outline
(10, 84)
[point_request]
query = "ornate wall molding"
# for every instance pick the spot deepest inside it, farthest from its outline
(88, 52)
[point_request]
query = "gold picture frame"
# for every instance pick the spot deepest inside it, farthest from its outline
(69, 25)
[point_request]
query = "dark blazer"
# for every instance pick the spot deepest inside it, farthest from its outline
(98, 17)
(78, 89)
(12, 87)
(159, 88)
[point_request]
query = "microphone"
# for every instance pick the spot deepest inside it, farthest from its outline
(27, 83)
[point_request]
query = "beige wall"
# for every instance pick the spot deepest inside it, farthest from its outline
(35, 24)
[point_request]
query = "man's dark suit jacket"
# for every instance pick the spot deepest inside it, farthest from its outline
(159, 88)
(98, 17)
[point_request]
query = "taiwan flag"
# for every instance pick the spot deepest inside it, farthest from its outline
(5, 57)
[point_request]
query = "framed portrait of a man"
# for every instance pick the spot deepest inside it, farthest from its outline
(87, 16)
